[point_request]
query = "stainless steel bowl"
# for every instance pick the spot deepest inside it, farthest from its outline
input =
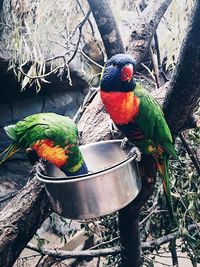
(113, 182)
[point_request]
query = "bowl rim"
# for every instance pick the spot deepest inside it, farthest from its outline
(50, 179)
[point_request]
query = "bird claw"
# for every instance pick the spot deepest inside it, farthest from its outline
(113, 128)
(135, 151)
(125, 144)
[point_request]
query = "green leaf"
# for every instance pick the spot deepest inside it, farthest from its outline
(191, 205)
(30, 73)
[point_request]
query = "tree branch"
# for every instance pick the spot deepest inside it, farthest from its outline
(148, 245)
(184, 92)
(20, 219)
(107, 27)
(191, 153)
(63, 255)
(145, 28)
(156, 243)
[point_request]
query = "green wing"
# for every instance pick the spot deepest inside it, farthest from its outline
(46, 126)
(152, 122)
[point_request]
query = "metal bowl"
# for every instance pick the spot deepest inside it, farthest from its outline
(112, 183)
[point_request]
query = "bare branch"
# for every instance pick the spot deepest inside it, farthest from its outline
(148, 245)
(165, 239)
(66, 62)
(155, 66)
(92, 61)
(191, 153)
(59, 254)
(79, 27)
(40, 76)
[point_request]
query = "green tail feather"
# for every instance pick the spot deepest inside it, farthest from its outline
(163, 168)
(9, 152)
(5, 151)
(14, 147)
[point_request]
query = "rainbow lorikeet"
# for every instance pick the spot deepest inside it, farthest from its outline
(137, 115)
(51, 137)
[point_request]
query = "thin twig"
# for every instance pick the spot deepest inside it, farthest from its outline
(61, 254)
(38, 263)
(92, 30)
(88, 99)
(40, 76)
(79, 27)
(155, 67)
(105, 243)
(57, 57)
(157, 48)
(149, 215)
(149, 71)
(190, 152)
(58, 43)
(165, 239)
(139, 75)
(91, 60)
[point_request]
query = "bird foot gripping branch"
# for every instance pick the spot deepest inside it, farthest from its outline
(125, 144)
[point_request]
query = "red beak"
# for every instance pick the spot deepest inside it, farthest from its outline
(127, 73)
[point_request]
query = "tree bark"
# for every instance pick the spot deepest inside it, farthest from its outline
(20, 219)
(145, 28)
(107, 27)
(184, 93)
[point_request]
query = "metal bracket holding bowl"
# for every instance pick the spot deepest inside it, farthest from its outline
(112, 183)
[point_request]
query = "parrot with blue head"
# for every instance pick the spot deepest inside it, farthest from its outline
(137, 115)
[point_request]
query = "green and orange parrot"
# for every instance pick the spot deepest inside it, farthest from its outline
(51, 137)
(137, 115)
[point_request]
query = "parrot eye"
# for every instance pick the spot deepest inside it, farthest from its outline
(114, 64)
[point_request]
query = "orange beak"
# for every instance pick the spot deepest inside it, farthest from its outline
(127, 73)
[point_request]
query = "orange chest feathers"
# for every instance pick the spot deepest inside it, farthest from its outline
(46, 150)
(122, 107)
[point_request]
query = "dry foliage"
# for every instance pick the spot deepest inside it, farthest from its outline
(43, 34)
(41, 37)
(172, 30)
